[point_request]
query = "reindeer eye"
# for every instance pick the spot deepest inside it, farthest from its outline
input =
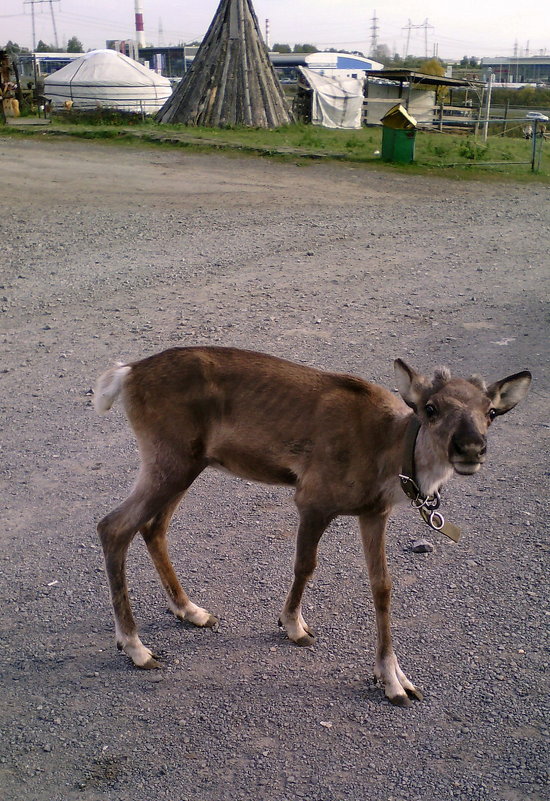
(492, 414)
(431, 411)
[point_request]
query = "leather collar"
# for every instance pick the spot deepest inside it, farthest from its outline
(427, 505)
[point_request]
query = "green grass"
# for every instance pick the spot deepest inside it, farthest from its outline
(457, 156)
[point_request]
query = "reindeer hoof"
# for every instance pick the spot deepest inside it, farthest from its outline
(212, 622)
(415, 693)
(305, 642)
(151, 664)
(400, 700)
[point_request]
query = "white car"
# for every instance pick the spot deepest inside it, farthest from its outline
(536, 115)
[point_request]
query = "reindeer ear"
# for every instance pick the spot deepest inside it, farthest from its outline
(509, 392)
(411, 385)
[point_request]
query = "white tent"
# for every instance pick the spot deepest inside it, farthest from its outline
(108, 79)
(336, 102)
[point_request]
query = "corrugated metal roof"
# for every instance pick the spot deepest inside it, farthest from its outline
(410, 76)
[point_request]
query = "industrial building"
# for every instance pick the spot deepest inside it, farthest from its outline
(519, 70)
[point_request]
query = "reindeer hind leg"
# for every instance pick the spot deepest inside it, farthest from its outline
(154, 534)
(151, 495)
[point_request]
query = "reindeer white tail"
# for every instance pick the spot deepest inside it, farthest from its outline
(109, 386)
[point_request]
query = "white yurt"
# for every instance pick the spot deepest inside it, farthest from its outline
(108, 79)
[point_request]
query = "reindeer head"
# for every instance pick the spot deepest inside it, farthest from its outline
(456, 413)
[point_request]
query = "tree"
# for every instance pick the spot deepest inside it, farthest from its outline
(381, 53)
(336, 50)
(305, 48)
(433, 66)
(42, 47)
(13, 48)
(74, 45)
(281, 48)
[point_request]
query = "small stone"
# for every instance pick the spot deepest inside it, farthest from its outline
(326, 723)
(422, 546)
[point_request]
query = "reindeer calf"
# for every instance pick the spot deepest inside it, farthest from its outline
(339, 440)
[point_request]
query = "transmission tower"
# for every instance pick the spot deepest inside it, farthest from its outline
(373, 35)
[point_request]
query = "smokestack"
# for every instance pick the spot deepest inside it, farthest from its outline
(140, 35)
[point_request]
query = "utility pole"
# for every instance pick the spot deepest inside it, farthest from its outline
(32, 4)
(489, 89)
(409, 26)
(373, 35)
(425, 25)
(54, 27)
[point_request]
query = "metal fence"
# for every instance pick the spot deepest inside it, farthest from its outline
(532, 130)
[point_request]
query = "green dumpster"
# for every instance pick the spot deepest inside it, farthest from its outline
(398, 135)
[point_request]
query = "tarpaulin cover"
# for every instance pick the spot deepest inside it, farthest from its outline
(336, 102)
(108, 79)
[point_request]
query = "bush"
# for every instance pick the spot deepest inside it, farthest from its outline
(472, 150)
(102, 116)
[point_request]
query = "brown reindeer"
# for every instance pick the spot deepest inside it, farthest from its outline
(339, 440)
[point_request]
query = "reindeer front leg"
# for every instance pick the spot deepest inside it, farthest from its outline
(397, 687)
(311, 528)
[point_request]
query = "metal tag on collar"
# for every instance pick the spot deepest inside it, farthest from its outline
(428, 506)
(435, 520)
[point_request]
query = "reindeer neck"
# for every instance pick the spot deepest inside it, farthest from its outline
(426, 469)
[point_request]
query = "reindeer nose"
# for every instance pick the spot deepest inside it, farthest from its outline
(470, 448)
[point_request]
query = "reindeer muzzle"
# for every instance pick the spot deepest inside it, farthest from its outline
(467, 456)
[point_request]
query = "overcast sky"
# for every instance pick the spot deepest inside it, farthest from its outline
(486, 28)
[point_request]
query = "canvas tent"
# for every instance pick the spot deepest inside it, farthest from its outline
(231, 80)
(335, 102)
(108, 79)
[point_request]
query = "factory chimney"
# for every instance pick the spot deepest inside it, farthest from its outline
(140, 35)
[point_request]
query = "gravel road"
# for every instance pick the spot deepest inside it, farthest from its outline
(115, 253)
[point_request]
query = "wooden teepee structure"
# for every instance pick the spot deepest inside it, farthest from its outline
(231, 80)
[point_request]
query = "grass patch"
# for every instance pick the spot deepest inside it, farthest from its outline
(433, 155)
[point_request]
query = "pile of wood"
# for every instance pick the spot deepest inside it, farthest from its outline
(231, 80)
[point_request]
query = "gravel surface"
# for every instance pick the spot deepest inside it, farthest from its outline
(114, 253)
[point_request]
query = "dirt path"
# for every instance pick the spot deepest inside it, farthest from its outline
(120, 252)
